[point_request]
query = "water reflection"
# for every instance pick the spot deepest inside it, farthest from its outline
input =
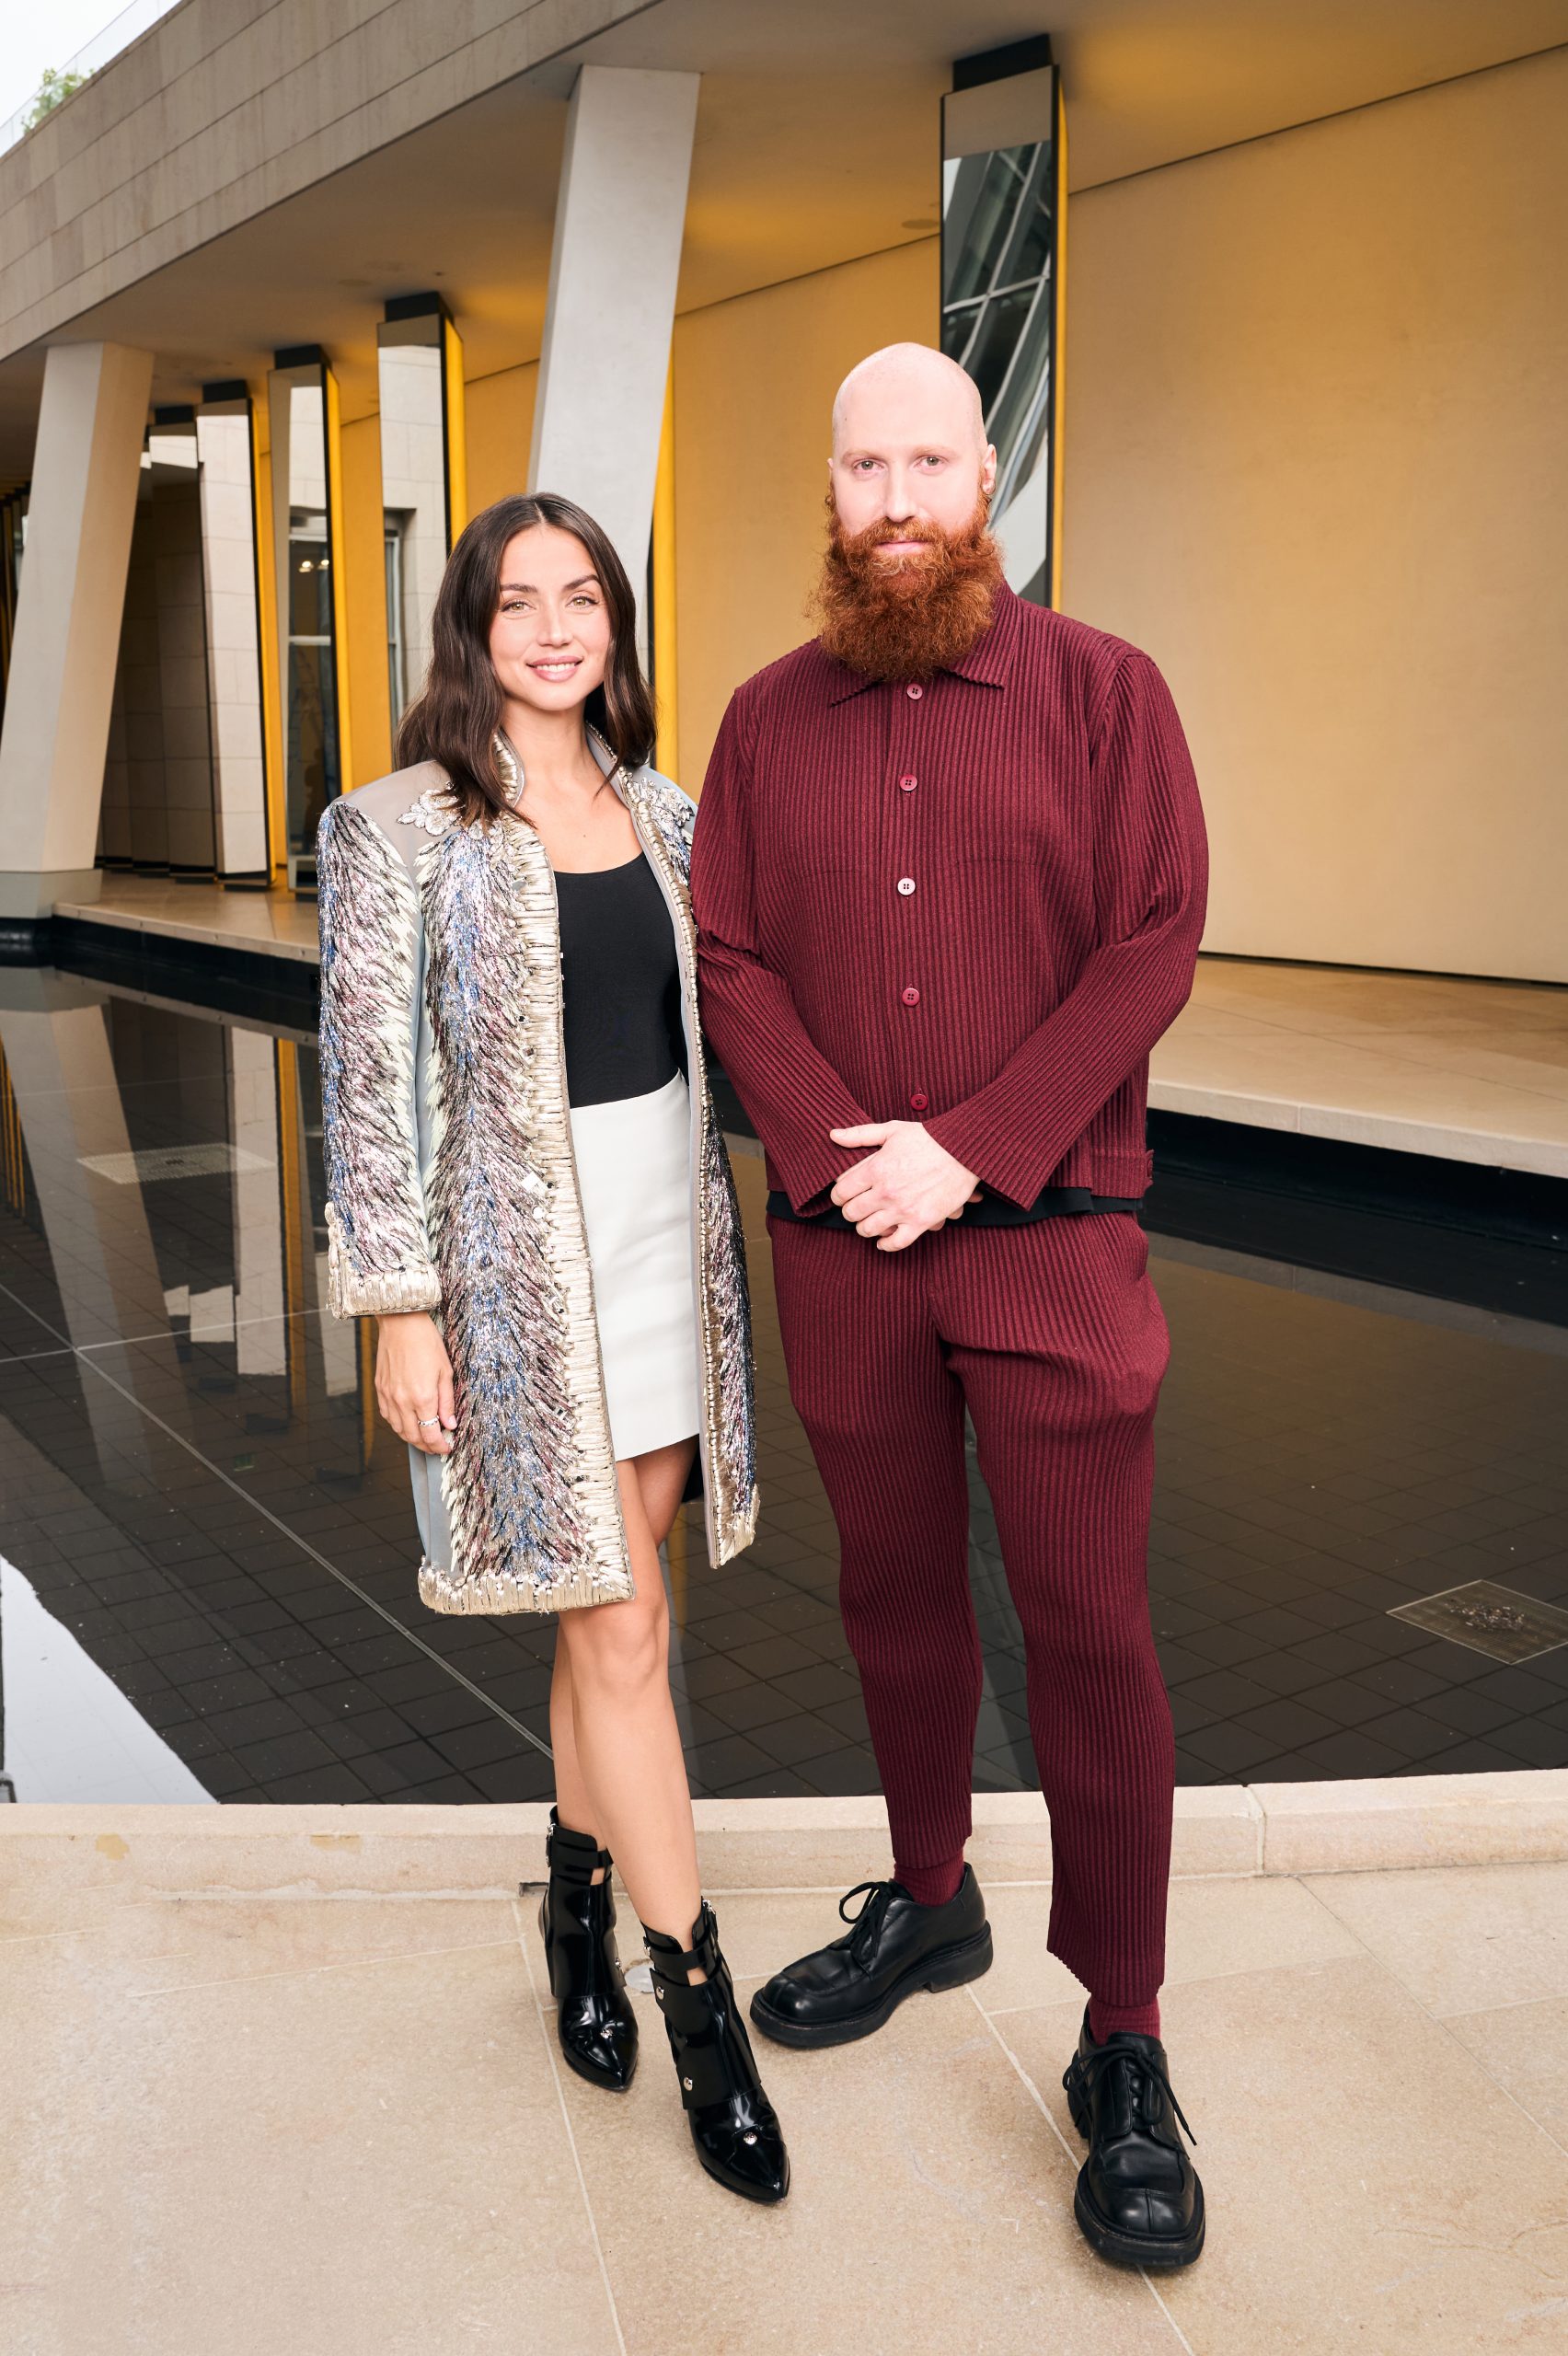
(69, 1732)
(196, 1490)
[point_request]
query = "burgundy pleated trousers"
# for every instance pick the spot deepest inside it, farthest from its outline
(1053, 1337)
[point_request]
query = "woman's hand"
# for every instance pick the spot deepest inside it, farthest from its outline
(413, 1383)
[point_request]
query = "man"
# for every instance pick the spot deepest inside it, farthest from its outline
(949, 879)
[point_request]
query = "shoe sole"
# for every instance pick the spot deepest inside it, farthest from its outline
(947, 1968)
(1130, 2250)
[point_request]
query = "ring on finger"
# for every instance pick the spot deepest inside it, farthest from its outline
(423, 1420)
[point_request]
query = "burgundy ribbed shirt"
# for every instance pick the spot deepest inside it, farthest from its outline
(974, 902)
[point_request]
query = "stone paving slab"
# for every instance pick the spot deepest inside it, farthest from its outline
(331, 2123)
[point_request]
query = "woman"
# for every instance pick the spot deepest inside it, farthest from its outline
(528, 1189)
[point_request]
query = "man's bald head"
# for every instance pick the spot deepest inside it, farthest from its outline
(909, 441)
(910, 375)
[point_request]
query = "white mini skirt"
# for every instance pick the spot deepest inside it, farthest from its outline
(634, 1176)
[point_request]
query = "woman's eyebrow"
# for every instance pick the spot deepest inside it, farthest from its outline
(527, 589)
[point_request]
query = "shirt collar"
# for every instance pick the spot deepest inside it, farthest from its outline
(988, 662)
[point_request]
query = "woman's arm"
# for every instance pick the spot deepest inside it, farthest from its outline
(378, 1253)
(378, 1257)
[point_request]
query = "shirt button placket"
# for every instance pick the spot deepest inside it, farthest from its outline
(919, 1100)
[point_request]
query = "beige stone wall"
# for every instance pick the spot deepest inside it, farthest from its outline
(754, 380)
(1317, 465)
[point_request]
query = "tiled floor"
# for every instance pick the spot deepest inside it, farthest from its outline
(340, 2125)
(197, 1488)
(1426, 1063)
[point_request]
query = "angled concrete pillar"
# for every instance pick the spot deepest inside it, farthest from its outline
(68, 612)
(617, 255)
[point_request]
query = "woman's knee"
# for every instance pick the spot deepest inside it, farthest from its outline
(619, 1645)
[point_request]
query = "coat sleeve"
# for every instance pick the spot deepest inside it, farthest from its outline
(378, 1257)
(789, 1089)
(1152, 872)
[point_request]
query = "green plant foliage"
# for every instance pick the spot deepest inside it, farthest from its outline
(55, 87)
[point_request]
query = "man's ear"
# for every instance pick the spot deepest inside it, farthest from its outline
(988, 469)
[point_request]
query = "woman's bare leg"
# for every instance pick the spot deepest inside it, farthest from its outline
(573, 1806)
(622, 1759)
(662, 1476)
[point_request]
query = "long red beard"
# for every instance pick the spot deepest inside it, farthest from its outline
(906, 620)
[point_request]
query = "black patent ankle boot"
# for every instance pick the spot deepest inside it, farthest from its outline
(577, 1922)
(733, 2123)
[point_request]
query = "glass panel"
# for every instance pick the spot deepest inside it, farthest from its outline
(1028, 255)
(982, 209)
(999, 258)
(411, 362)
(397, 658)
(310, 578)
(1018, 414)
(313, 751)
(996, 340)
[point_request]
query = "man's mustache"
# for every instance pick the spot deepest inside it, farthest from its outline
(877, 535)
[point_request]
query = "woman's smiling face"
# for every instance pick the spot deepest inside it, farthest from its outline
(550, 637)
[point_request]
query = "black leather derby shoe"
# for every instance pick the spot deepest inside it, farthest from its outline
(1138, 2199)
(891, 1947)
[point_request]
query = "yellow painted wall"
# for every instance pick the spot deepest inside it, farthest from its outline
(364, 557)
(499, 418)
(1317, 465)
(754, 384)
(500, 428)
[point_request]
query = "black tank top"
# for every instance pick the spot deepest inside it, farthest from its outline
(622, 983)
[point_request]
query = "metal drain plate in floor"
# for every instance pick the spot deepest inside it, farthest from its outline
(1490, 1619)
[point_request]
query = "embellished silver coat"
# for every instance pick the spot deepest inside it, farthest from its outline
(452, 1186)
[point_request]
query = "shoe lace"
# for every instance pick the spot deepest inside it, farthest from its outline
(865, 1923)
(1145, 2073)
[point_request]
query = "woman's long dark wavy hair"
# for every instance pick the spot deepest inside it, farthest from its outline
(453, 722)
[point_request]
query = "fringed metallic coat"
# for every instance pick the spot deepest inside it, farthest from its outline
(452, 1186)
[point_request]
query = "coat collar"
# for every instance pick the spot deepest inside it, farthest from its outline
(988, 662)
(511, 767)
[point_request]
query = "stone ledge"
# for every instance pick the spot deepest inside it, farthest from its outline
(1410, 1820)
(1225, 1828)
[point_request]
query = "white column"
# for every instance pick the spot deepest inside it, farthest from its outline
(233, 649)
(73, 589)
(617, 255)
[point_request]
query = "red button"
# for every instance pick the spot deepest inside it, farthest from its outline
(914, 694)
(907, 784)
(919, 1100)
(911, 997)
